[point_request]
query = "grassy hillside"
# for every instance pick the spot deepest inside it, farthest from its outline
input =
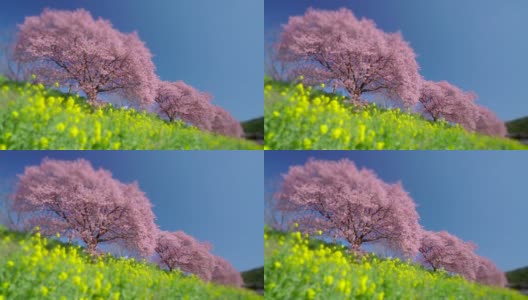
(518, 128)
(32, 117)
(254, 128)
(518, 278)
(300, 117)
(37, 268)
(297, 267)
(254, 278)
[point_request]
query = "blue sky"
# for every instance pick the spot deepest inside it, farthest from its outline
(478, 45)
(215, 46)
(215, 196)
(477, 195)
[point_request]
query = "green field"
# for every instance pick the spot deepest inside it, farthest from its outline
(33, 117)
(33, 267)
(301, 117)
(299, 267)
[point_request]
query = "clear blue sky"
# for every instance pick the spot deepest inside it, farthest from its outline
(478, 45)
(476, 195)
(215, 196)
(215, 46)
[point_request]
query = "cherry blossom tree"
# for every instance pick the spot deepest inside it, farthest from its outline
(489, 274)
(74, 199)
(350, 204)
(225, 274)
(178, 100)
(443, 100)
(444, 250)
(73, 49)
(336, 48)
(177, 250)
(225, 124)
(489, 124)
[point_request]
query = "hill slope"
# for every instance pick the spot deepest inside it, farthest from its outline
(37, 268)
(299, 117)
(32, 117)
(301, 268)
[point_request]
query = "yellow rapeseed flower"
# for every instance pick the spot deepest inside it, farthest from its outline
(323, 128)
(44, 290)
(336, 133)
(60, 127)
(307, 143)
(310, 294)
(328, 280)
(63, 276)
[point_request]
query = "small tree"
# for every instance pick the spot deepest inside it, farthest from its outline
(177, 250)
(225, 124)
(73, 49)
(489, 124)
(443, 100)
(444, 250)
(225, 274)
(489, 274)
(351, 204)
(73, 199)
(336, 48)
(178, 100)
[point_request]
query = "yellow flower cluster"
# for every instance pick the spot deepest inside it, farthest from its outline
(300, 117)
(32, 117)
(298, 267)
(37, 268)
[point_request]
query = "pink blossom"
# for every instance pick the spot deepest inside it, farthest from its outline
(178, 100)
(336, 48)
(177, 250)
(351, 204)
(443, 100)
(225, 124)
(73, 49)
(75, 200)
(225, 274)
(489, 274)
(489, 124)
(444, 250)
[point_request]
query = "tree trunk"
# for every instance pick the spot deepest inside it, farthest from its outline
(91, 247)
(355, 96)
(91, 96)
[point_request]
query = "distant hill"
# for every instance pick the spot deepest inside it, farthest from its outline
(254, 129)
(254, 279)
(518, 279)
(518, 128)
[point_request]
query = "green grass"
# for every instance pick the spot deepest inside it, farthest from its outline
(300, 117)
(37, 268)
(299, 267)
(33, 117)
